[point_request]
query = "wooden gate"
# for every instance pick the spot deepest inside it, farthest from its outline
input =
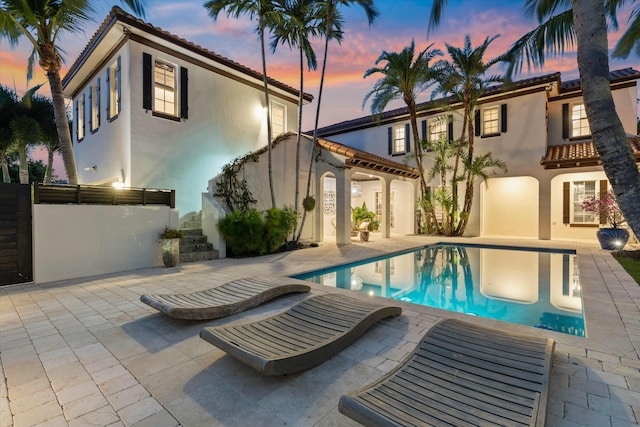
(15, 234)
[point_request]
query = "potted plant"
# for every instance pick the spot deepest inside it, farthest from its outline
(605, 208)
(170, 241)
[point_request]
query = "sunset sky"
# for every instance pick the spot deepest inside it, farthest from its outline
(399, 22)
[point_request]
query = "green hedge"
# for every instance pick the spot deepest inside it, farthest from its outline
(257, 233)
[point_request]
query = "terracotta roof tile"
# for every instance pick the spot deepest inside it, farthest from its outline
(117, 14)
(580, 154)
(366, 160)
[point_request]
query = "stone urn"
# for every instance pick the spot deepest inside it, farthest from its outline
(169, 240)
(170, 251)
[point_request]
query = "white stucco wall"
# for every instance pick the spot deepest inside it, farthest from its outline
(84, 240)
(509, 207)
(108, 147)
(226, 120)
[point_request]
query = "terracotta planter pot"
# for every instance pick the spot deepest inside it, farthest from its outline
(170, 252)
(612, 238)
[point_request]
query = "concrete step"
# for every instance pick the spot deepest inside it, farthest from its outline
(198, 256)
(193, 239)
(195, 247)
(192, 231)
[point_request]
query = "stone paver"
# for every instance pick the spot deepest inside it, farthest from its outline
(88, 352)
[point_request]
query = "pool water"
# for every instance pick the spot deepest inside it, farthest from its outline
(534, 287)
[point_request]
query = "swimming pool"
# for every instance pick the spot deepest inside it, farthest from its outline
(534, 287)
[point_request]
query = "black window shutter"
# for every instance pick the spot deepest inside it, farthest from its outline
(98, 103)
(566, 200)
(503, 116)
(184, 95)
(477, 123)
(108, 93)
(84, 116)
(565, 120)
(407, 138)
(390, 135)
(91, 124)
(603, 190)
(450, 127)
(120, 85)
(77, 121)
(147, 72)
(424, 130)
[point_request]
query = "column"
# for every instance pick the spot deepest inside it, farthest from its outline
(343, 206)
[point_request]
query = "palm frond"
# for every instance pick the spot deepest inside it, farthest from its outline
(550, 38)
(630, 40)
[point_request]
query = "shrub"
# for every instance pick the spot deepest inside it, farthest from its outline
(253, 233)
(279, 224)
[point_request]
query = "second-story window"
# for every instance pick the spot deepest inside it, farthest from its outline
(438, 129)
(398, 138)
(278, 119)
(80, 118)
(94, 97)
(113, 90)
(490, 120)
(579, 122)
(164, 88)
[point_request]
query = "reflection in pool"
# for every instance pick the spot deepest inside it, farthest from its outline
(532, 287)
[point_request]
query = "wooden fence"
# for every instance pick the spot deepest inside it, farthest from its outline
(98, 195)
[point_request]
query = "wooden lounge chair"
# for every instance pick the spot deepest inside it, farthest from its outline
(460, 375)
(301, 337)
(224, 300)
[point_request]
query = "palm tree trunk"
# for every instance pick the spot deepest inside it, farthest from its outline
(62, 124)
(418, 147)
(456, 163)
(266, 98)
(608, 133)
(47, 176)
(24, 169)
(299, 136)
(315, 127)
(5, 168)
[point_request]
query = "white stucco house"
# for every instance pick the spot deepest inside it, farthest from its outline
(153, 110)
(537, 126)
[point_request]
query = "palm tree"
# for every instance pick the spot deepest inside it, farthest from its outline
(8, 105)
(42, 111)
(300, 23)
(267, 15)
(20, 127)
(332, 22)
(585, 26)
(406, 76)
(465, 78)
(26, 131)
(42, 22)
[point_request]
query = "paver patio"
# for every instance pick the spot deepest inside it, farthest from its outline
(88, 352)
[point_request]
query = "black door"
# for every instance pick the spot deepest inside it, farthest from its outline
(15, 234)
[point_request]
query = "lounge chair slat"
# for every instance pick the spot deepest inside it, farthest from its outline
(455, 375)
(491, 372)
(400, 415)
(452, 401)
(499, 349)
(227, 299)
(298, 338)
(466, 384)
(449, 409)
